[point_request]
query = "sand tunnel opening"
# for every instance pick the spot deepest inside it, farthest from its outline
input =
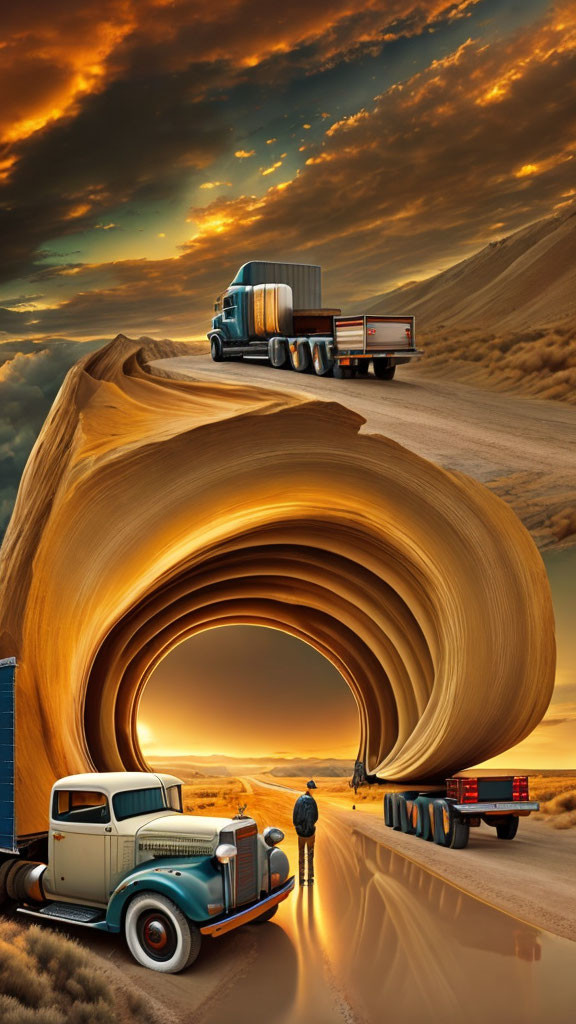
(344, 611)
(247, 692)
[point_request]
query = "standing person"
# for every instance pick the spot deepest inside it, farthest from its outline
(304, 819)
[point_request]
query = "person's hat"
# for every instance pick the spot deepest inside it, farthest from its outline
(311, 785)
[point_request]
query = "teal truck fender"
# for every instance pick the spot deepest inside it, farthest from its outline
(195, 885)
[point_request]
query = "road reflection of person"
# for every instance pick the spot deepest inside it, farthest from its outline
(304, 818)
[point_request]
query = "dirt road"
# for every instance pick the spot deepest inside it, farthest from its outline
(377, 936)
(523, 449)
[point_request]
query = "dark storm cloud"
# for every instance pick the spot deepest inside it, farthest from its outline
(112, 103)
(441, 163)
(30, 377)
(134, 142)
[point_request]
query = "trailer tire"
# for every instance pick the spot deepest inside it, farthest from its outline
(383, 370)
(158, 934)
(278, 353)
(216, 349)
(300, 355)
(508, 829)
(321, 361)
(423, 823)
(5, 869)
(452, 831)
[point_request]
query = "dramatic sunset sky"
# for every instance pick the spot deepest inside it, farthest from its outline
(149, 147)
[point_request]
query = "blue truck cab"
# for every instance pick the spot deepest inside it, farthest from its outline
(122, 857)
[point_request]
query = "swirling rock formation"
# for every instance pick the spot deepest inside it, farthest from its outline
(153, 508)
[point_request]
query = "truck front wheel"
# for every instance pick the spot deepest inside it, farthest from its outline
(159, 936)
(216, 349)
(266, 916)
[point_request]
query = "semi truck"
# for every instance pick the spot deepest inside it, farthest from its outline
(273, 311)
(120, 856)
(445, 816)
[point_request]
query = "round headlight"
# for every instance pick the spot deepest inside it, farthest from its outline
(226, 852)
(272, 835)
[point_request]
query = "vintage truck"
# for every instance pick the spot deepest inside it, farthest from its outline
(273, 311)
(120, 856)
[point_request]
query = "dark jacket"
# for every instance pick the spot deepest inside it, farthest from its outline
(305, 815)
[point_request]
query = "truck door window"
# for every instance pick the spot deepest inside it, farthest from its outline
(228, 307)
(138, 801)
(175, 797)
(82, 807)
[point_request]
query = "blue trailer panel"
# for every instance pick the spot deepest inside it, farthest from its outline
(8, 842)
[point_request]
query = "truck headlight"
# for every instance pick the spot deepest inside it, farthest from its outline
(226, 852)
(272, 835)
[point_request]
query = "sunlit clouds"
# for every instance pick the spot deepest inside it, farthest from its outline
(452, 125)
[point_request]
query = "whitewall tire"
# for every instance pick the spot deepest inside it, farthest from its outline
(158, 934)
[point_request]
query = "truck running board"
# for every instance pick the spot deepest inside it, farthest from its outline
(71, 913)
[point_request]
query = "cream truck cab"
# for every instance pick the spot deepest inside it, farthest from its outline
(123, 857)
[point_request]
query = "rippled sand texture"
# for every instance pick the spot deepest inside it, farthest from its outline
(152, 508)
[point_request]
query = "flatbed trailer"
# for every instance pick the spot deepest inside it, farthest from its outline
(446, 815)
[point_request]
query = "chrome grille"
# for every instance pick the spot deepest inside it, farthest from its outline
(245, 885)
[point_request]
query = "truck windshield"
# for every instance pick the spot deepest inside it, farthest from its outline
(138, 801)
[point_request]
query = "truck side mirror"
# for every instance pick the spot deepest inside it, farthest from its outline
(226, 852)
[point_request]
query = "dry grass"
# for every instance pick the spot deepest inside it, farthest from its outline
(539, 363)
(48, 979)
(557, 796)
(221, 799)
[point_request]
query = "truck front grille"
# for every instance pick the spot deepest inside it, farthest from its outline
(246, 887)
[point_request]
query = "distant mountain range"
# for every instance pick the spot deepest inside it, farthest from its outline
(195, 766)
(505, 316)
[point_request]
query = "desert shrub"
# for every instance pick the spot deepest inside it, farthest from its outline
(46, 978)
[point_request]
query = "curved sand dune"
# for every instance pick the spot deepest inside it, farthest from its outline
(152, 508)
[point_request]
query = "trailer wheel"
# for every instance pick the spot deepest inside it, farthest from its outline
(423, 829)
(278, 353)
(451, 830)
(158, 935)
(508, 829)
(320, 361)
(383, 370)
(300, 355)
(216, 349)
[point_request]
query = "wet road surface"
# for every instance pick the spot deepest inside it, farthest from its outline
(376, 938)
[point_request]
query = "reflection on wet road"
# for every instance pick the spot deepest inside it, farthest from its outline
(378, 937)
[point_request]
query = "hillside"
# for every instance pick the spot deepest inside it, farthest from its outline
(505, 316)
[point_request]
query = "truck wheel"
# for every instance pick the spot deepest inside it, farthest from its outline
(216, 349)
(300, 356)
(158, 935)
(508, 829)
(383, 370)
(449, 830)
(320, 361)
(266, 916)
